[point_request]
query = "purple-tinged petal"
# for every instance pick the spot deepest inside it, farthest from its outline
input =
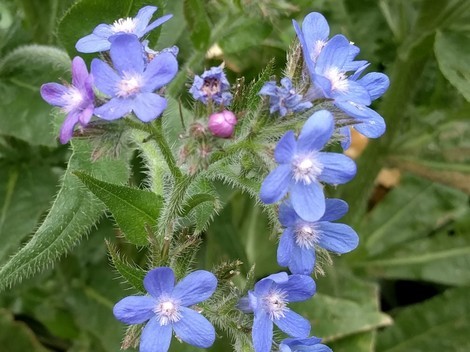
(334, 54)
(159, 281)
(155, 337)
(345, 133)
(338, 238)
(194, 288)
(66, 130)
(298, 288)
(157, 23)
(160, 71)
(127, 54)
(143, 18)
(287, 216)
(262, 332)
(92, 43)
(134, 309)
(284, 250)
(53, 93)
(302, 260)
(308, 200)
(114, 109)
(373, 126)
(293, 324)
(148, 106)
(194, 328)
(376, 83)
(285, 148)
(79, 73)
(85, 115)
(276, 184)
(305, 48)
(105, 78)
(337, 168)
(316, 131)
(334, 209)
(269, 88)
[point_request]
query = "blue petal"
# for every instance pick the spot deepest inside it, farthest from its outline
(79, 73)
(92, 43)
(194, 328)
(334, 209)
(337, 168)
(294, 324)
(114, 109)
(244, 305)
(103, 30)
(287, 215)
(159, 281)
(262, 333)
(105, 78)
(321, 88)
(54, 93)
(354, 92)
(276, 184)
(160, 71)
(278, 278)
(353, 109)
(127, 54)
(308, 201)
(373, 126)
(269, 88)
(346, 137)
(66, 130)
(157, 23)
(143, 18)
(315, 28)
(316, 132)
(338, 238)
(305, 48)
(284, 250)
(285, 148)
(298, 288)
(302, 260)
(334, 54)
(196, 287)
(376, 83)
(155, 337)
(148, 106)
(262, 287)
(309, 341)
(134, 309)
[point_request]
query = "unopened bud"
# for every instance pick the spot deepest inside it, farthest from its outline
(222, 124)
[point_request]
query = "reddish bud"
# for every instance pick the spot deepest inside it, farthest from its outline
(222, 124)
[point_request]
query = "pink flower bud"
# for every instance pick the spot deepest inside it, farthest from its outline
(222, 124)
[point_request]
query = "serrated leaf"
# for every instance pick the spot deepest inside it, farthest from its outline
(439, 324)
(452, 52)
(22, 72)
(133, 274)
(135, 211)
(198, 22)
(73, 213)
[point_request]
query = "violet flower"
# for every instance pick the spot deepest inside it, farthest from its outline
(212, 85)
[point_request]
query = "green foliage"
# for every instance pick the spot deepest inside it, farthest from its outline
(135, 211)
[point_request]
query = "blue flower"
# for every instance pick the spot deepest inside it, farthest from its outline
(212, 85)
(77, 100)
(268, 301)
(302, 166)
(311, 344)
(297, 245)
(284, 99)
(131, 83)
(139, 26)
(166, 309)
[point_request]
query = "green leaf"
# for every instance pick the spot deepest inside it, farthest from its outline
(198, 22)
(135, 211)
(238, 39)
(82, 18)
(440, 324)
(452, 52)
(25, 193)
(22, 72)
(73, 213)
(133, 274)
(16, 336)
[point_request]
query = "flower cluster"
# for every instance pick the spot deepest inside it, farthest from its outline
(128, 86)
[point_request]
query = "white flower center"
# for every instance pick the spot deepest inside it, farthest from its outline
(306, 168)
(167, 311)
(74, 98)
(338, 79)
(317, 48)
(124, 25)
(306, 235)
(129, 85)
(275, 304)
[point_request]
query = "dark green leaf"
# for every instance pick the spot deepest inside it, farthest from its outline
(133, 274)
(198, 22)
(135, 211)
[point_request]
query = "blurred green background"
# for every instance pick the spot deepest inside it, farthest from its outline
(405, 289)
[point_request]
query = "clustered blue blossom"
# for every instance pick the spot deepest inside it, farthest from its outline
(212, 86)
